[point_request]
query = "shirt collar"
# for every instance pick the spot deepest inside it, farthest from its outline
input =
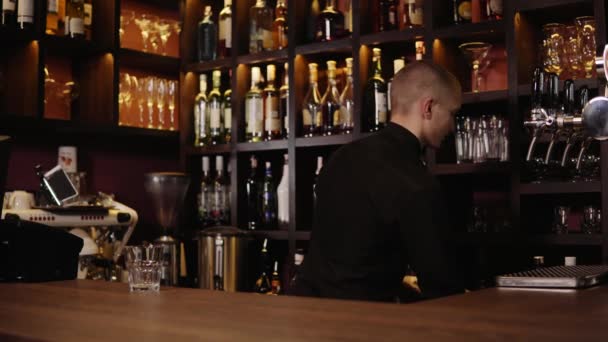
(406, 139)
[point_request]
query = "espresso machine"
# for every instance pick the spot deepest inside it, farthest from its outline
(168, 190)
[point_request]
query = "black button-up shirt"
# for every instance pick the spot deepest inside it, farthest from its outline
(378, 210)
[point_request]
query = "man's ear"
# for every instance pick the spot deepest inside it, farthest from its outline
(427, 103)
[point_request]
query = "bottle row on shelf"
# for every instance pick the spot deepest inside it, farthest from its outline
(213, 200)
(270, 281)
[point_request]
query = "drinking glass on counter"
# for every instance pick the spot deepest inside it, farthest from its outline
(144, 267)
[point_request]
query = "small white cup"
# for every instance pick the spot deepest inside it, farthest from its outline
(21, 200)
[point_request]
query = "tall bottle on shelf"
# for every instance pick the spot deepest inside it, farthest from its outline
(330, 23)
(279, 26)
(312, 103)
(262, 283)
(220, 211)
(330, 104)
(419, 50)
(284, 109)
(269, 200)
(204, 196)
(207, 37)
(314, 184)
(398, 64)
(462, 11)
(272, 119)
(494, 9)
(215, 108)
(25, 14)
(225, 30)
(283, 196)
(88, 19)
(52, 16)
(74, 19)
(260, 29)
(9, 14)
(253, 196)
(387, 20)
(374, 102)
(201, 114)
(347, 100)
(227, 111)
(275, 282)
(412, 14)
(254, 109)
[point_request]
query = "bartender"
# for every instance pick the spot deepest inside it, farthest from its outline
(379, 210)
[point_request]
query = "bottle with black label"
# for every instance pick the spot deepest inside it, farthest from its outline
(462, 11)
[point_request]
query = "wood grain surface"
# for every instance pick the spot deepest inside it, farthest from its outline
(93, 310)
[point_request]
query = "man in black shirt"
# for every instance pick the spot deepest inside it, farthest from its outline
(379, 210)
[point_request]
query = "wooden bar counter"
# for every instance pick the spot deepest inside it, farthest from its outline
(95, 310)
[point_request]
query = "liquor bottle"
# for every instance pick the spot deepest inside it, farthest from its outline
(419, 50)
(374, 102)
(283, 196)
(329, 24)
(262, 284)
(284, 102)
(462, 11)
(348, 16)
(9, 17)
(74, 19)
(294, 271)
(207, 37)
(61, 13)
(314, 184)
(494, 9)
(279, 26)
(201, 114)
(388, 15)
(272, 119)
(412, 14)
(398, 64)
(219, 204)
(311, 23)
(228, 208)
(260, 31)
(275, 283)
(225, 27)
(227, 111)
(269, 200)
(204, 196)
(254, 109)
(330, 104)
(252, 194)
(25, 14)
(88, 19)
(312, 102)
(215, 108)
(347, 100)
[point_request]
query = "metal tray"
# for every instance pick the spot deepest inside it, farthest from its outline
(556, 277)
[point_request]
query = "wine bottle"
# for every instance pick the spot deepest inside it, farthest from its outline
(279, 26)
(227, 111)
(9, 15)
(254, 109)
(52, 16)
(388, 15)
(260, 29)
(312, 103)
(283, 196)
(201, 117)
(347, 100)
(375, 96)
(207, 37)
(252, 194)
(314, 184)
(275, 283)
(74, 19)
(269, 200)
(25, 14)
(88, 19)
(215, 107)
(219, 203)
(272, 119)
(329, 122)
(225, 30)
(284, 102)
(330, 23)
(262, 284)
(204, 203)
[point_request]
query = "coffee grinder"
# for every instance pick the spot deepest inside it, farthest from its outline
(167, 190)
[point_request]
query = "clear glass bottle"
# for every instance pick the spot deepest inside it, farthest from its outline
(374, 102)
(347, 100)
(227, 111)
(215, 109)
(207, 37)
(254, 109)
(284, 102)
(330, 23)
(398, 64)
(204, 196)
(201, 117)
(298, 258)
(269, 200)
(330, 104)
(260, 31)
(74, 20)
(387, 20)
(272, 118)
(312, 102)
(252, 194)
(311, 21)
(283, 196)
(219, 203)
(279, 26)
(225, 28)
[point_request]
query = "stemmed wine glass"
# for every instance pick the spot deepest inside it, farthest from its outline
(171, 92)
(153, 33)
(126, 17)
(476, 53)
(128, 98)
(161, 92)
(144, 23)
(150, 86)
(121, 100)
(140, 91)
(164, 30)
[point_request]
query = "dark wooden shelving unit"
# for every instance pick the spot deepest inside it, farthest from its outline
(74, 48)
(392, 36)
(523, 5)
(324, 141)
(471, 30)
(340, 45)
(567, 239)
(207, 150)
(502, 168)
(560, 188)
(484, 96)
(263, 57)
(262, 146)
(506, 239)
(143, 60)
(591, 83)
(224, 63)
(280, 235)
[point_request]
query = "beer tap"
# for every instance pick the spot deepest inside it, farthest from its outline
(555, 108)
(538, 114)
(576, 132)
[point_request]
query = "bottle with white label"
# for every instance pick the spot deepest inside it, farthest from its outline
(227, 111)
(374, 101)
(254, 109)
(225, 34)
(284, 102)
(25, 14)
(272, 119)
(8, 17)
(215, 107)
(201, 121)
(398, 64)
(74, 19)
(329, 121)
(283, 197)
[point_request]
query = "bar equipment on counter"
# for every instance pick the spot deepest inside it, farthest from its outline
(167, 190)
(572, 277)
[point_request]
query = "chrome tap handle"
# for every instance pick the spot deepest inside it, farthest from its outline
(572, 139)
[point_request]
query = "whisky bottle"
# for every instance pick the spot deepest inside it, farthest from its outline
(330, 23)
(262, 284)
(412, 14)
(9, 15)
(227, 111)
(201, 117)
(88, 19)
(283, 196)
(25, 14)
(269, 200)
(225, 28)
(312, 102)
(347, 100)
(52, 16)
(215, 107)
(254, 109)
(284, 102)
(207, 37)
(462, 11)
(275, 283)
(329, 121)
(74, 19)
(311, 21)
(260, 29)
(252, 194)
(398, 64)
(494, 9)
(272, 119)
(279, 26)
(204, 202)
(388, 15)
(374, 102)
(219, 202)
